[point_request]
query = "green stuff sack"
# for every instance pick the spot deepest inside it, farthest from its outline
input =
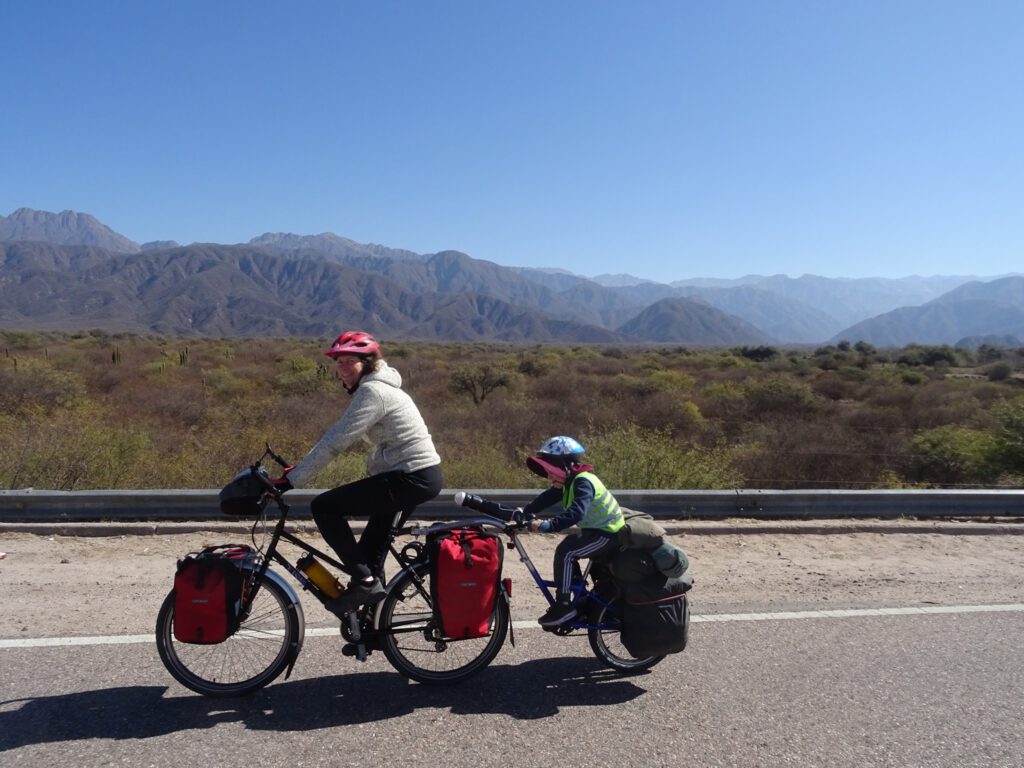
(670, 560)
(640, 531)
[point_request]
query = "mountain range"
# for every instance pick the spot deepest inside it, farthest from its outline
(68, 271)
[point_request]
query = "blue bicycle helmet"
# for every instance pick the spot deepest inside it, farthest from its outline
(558, 453)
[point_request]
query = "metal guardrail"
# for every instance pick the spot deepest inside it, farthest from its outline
(195, 505)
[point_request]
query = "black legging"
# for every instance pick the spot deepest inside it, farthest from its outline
(380, 497)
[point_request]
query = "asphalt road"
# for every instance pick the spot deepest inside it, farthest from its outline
(890, 690)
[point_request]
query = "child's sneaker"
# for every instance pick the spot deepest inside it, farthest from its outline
(557, 614)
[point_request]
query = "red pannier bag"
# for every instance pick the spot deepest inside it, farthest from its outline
(208, 594)
(466, 571)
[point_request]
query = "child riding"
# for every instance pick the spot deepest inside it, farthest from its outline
(586, 503)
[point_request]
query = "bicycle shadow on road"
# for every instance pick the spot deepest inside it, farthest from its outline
(527, 691)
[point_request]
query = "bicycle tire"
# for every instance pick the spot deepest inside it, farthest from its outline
(265, 644)
(411, 637)
(608, 647)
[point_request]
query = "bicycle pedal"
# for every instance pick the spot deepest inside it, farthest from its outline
(561, 629)
(361, 652)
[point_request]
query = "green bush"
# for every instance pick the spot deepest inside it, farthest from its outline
(631, 457)
(953, 455)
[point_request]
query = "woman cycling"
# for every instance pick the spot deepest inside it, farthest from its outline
(404, 467)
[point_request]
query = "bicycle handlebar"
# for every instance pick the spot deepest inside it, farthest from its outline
(270, 452)
(492, 508)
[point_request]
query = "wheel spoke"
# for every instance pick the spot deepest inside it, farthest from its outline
(412, 641)
(248, 660)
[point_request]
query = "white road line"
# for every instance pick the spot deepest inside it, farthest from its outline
(49, 642)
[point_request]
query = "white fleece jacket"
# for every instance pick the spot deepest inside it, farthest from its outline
(385, 417)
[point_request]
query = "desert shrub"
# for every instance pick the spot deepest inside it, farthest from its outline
(225, 384)
(302, 375)
(31, 382)
(953, 455)
(632, 386)
(1008, 437)
(672, 380)
(631, 457)
(75, 449)
(780, 395)
(832, 387)
(795, 454)
(722, 398)
(925, 355)
(889, 479)
(478, 381)
(486, 466)
(535, 365)
(1000, 371)
(913, 378)
(757, 354)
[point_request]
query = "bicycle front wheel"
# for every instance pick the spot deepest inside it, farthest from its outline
(412, 640)
(606, 642)
(262, 648)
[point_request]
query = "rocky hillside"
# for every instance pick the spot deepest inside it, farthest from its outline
(68, 271)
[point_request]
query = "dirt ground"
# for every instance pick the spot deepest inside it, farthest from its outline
(60, 585)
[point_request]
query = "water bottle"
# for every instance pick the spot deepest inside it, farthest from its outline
(320, 576)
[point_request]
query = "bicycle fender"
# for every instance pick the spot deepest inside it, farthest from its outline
(296, 606)
(503, 594)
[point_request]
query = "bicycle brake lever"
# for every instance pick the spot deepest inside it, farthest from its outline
(275, 457)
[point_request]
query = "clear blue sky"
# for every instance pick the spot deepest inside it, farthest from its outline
(668, 140)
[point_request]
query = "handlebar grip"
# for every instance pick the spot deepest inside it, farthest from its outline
(492, 508)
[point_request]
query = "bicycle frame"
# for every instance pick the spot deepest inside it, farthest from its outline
(361, 623)
(546, 586)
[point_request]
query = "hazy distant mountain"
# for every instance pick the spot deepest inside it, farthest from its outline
(469, 316)
(992, 340)
(778, 316)
(850, 300)
(64, 228)
(328, 244)
(688, 321)
(806, 309)
(719, 282)
(619, 280)
(68, 271)
(994, 308)
(555, 279)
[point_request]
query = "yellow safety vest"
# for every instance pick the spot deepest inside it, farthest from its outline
(604, 513)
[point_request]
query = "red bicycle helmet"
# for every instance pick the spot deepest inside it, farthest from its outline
(354, 343)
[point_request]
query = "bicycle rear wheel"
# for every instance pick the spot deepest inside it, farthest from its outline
(265, 644)
(606, 643)
(412, 640)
